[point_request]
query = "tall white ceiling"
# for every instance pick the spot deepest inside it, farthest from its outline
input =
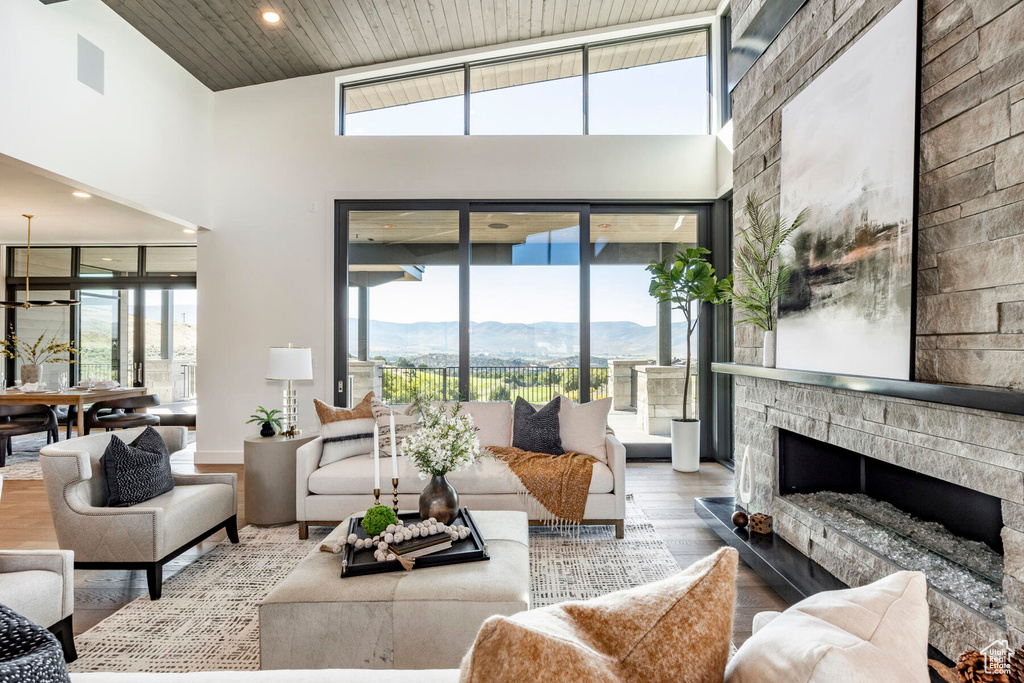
(62, 218)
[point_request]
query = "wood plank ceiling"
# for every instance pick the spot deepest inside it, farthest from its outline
(522, 71)
(226, 43)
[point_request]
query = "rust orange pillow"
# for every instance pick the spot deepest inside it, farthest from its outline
(675, 630)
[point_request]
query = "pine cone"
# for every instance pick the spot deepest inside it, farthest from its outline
(971, 667)
(1017, 666)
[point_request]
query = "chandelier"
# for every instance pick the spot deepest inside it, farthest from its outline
(29, 302)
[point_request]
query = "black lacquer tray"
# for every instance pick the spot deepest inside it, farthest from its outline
(473, 548)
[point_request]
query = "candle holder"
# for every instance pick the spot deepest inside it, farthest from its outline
(394, 496)
(376, 496)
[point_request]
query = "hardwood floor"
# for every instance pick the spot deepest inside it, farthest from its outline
(666, 497)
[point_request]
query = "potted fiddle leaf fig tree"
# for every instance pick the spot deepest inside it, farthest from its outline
(687, 281)
(763, 278)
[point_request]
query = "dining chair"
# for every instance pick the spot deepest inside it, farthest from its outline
(20, 420)
(120, 413)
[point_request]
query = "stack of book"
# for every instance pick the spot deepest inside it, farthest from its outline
(418, 547)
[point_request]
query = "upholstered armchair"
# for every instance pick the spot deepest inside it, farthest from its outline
(40, 586)
(143, 536)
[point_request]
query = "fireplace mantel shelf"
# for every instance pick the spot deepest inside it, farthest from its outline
(980, 398)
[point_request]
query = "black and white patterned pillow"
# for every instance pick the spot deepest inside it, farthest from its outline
(151, 442)
(536, 430)
(134, 474)
(28, 652)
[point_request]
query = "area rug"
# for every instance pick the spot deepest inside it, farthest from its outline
(207, 618)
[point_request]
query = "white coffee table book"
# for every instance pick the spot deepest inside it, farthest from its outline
(426, 618)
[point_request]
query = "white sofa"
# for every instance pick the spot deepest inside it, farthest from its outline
(326, 495)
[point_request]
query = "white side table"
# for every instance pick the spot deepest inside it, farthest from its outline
(270, 478)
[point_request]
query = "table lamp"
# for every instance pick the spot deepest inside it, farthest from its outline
(290, 364)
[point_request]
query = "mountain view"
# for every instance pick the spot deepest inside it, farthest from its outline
(496, 343)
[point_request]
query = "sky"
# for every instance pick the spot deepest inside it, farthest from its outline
(622, 102)
(515, 294)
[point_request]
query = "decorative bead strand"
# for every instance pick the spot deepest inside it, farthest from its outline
(399, 533)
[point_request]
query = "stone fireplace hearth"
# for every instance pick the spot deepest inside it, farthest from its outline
(982, 452)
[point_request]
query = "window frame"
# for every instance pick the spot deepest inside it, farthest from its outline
(715, 333)
(524, 56)
(76, 282)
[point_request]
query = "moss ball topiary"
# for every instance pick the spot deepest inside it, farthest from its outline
(377, 519)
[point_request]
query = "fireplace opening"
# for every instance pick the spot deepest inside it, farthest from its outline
(912, 520)
(807, 465)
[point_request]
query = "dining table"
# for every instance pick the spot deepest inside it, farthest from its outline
(70, 397)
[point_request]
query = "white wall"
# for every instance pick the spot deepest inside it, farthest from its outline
(146, 141)
(266, 268)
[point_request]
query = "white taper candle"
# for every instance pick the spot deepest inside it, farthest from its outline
(394, 450)
(376, 456)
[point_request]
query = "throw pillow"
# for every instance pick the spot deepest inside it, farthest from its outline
(535, 430)
(677, 629)
(133, 474)
(345, 432)
(877, 633)
(151, 441)
(583, 427)
(28, 652)
(405, 425)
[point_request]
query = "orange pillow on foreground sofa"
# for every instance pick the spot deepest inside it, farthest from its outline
(678, 629)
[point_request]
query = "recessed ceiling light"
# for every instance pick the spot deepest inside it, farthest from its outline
(189, 231)
(605, 225)
(497, 226)
(106, 258)
(271, 17)
(81, 195)
(388, 226)
(173, 275)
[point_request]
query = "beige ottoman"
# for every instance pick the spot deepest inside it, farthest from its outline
(423, 619)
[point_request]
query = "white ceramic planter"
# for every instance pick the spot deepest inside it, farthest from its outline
(769, 349)
(685, 445)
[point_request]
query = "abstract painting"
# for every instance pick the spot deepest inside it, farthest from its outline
(848, 146)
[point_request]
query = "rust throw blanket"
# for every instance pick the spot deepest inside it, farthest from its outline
(559, 483)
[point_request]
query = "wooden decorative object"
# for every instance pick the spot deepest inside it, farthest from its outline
(740, 519)
(760, 523)
(970, 668)
(1017, 665)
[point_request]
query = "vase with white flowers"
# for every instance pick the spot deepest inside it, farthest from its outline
(445, 442)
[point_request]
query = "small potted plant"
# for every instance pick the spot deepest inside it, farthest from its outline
(687, 281)
(34, 355)
(762, 278)
(446, 442)
(270, 423)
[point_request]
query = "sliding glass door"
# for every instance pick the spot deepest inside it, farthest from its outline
(105, 335)
(524, 313)
(494, 301)
(403, 301)
(136, 323)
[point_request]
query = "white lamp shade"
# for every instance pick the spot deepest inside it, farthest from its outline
(290, 363)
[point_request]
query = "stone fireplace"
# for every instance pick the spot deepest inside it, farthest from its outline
(958, 467)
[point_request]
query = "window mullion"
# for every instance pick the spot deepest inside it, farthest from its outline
(465, 95)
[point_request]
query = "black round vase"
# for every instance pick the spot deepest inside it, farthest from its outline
(267, 430)
(439, 500)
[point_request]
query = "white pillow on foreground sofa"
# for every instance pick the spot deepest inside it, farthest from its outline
(876, 633)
